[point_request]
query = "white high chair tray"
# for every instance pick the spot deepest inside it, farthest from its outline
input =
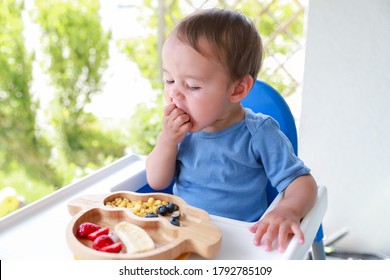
(37, 231)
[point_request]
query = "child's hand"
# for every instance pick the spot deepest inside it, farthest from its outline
(278, 224)
(176, 123)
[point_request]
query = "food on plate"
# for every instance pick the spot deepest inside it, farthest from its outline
(84, 229)
(105, 243)
(162, 210)
(135, 238)
(151, 215)
(139, 207)
(102, 231)
(113, 248)
(102, 241)
(171, 207)
(175, 221)
(145, 208)
(176, 214)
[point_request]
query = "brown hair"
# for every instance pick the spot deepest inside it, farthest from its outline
(235, 39)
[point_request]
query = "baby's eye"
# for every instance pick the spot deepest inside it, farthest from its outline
(193, 88)
(168, 82)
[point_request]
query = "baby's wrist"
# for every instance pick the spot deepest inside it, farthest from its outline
(166, 142)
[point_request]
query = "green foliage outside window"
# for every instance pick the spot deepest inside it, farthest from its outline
(24, 151)
(77, 49)
(34, 159)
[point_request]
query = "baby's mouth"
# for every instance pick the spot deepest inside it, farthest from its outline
(178, 105)
(181, 108)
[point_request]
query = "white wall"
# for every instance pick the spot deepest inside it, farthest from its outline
(345, 119)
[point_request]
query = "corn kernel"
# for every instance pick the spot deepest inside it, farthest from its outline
(157, 202)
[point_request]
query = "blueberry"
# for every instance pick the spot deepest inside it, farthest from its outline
(171, 207)
(162, 210)
(151, 215)
(175, 222)
(176, 214)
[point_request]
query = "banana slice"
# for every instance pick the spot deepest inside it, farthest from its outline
(135, 239)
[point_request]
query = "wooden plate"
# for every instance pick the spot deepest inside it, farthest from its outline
(194, 235)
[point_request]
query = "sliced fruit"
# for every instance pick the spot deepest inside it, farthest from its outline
(93, 235)
(135, 238)
(113, 248)
(102, 241)
(86, 228)
(176, 214)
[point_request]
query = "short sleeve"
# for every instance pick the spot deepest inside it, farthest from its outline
(275, 152)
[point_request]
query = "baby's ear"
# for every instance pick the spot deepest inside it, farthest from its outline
(241, 89)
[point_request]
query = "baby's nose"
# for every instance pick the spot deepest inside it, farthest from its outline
(175, 93)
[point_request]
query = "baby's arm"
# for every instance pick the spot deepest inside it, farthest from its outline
(285, 219)
(161, 162)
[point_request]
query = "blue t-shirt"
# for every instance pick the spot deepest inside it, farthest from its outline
(226, 172)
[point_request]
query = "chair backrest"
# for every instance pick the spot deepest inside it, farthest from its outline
(265, 99)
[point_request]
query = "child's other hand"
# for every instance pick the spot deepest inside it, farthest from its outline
(279, 225)
(176, 123)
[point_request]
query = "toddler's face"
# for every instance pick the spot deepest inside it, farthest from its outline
(198, 84)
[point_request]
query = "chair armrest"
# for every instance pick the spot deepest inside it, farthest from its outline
(309, 225)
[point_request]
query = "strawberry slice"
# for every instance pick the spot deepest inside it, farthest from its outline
(102, 231)
(102, 241)
(114, 248)
(84, 229)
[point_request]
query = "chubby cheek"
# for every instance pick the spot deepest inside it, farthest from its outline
(202, 117)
